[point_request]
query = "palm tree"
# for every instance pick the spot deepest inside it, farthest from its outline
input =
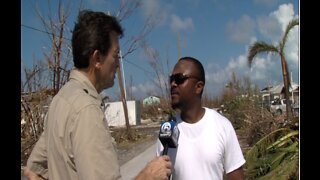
(260, 46)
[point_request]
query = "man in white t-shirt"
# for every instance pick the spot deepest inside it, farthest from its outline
(208, 146)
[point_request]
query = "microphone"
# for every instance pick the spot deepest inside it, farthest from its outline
(169, 135)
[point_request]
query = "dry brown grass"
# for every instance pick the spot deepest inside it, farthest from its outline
(156, 112)
(33, 110)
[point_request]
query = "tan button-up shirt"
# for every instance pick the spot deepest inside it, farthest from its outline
(76, 142)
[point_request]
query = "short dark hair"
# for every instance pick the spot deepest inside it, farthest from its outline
(199, 66)
(90, 33)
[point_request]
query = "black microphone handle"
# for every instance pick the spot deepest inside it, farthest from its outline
(165, 150)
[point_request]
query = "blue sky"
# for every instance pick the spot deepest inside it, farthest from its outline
(217, 32)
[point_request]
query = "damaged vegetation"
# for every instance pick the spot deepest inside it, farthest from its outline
(270, 142)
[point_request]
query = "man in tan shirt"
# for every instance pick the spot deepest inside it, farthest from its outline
(76, 142)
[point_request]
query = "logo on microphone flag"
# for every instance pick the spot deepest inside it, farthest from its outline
(166, 128)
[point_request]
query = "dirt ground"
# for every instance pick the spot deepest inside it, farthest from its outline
(129, 151)
(145, 136)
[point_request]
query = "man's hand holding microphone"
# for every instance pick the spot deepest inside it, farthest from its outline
(169, 135)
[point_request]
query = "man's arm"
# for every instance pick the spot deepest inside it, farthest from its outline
(234, 159)
(159, 168)
(237, 174)
(30, 174)
(37, 161)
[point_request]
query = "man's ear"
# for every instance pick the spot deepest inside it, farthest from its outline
(96, 59)
(199, 87)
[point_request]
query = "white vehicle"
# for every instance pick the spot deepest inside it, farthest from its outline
(278, 107)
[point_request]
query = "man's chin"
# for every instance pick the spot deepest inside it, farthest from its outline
(175, 105)
(109, 85)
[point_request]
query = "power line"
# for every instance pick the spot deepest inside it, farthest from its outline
(138, 66)
(29, 27)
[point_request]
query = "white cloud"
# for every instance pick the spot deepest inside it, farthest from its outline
(212, 66)
(155, 9)
(261, 67)
(239, 63)
(215, 81)
(284, 14)
(292, 47)
(216, 77)
(252, 40)
(221, 76)
(264, 68)
(272, 28)
(177, 24)
(150, 87)
(241, 30)
(163, 13)
(214, 73)
(269, 27)
(141, 90)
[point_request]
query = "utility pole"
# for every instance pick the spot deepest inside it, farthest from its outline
(178, 43)
(291, 80)
(268, 89)
(122, 73)
(123, 96)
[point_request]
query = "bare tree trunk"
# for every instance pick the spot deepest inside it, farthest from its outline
(286, 86)
(55, 30)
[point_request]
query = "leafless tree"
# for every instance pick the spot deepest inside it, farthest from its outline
(161, 73)
(59, 58)
(56, 65)
(126, 9)
(36, 92)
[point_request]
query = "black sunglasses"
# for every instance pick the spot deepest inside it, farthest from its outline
(180, 78)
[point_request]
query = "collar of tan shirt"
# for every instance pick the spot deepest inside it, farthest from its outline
(87, 85)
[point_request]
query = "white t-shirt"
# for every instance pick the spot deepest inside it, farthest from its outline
(206, 149)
